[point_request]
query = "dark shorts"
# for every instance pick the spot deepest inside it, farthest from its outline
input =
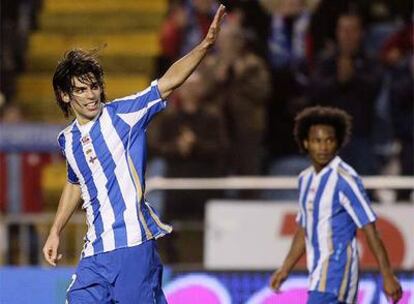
(125, 275)
(316, 297)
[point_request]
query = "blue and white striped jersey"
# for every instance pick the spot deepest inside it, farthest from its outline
(107, 158)
(333, 204)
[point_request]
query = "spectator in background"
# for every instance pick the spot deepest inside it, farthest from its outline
(288, 35)
(17, 19)
(398, 58)
(186, 23)
(192, 141)
(288, 50)
(240, 85)
(349, 80)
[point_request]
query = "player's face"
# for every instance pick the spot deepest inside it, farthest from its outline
(321, 145)
(85, 100)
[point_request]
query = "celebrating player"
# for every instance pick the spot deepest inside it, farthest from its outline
(105, 152)
(332, 205)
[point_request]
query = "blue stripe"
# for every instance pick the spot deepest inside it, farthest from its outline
(355, 202)
(62, 143)
(343, 231)
(138, 156)
(114, 192)
(316, 204)
(91, 187)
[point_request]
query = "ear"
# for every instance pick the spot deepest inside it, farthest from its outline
(65, 97)
(305, 144)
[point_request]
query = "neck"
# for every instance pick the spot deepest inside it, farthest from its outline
(83, 120)
(318, 168)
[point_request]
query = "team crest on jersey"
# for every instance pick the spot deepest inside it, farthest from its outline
(92, 159)
(86, 140)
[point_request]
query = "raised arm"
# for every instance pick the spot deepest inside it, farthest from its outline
(297, 249)
(392, 287)
(69, 200)
(182, 69)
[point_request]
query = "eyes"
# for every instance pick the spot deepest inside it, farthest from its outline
(82, 90)
(329, 140)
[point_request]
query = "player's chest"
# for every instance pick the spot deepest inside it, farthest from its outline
(97, 151)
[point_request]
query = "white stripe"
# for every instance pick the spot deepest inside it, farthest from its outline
(316, 274)
(347, 205)
(362, 200)
(105, 206)
(353, 280)
(132, 118)
(309, 224)
(124, 179)
(324, 221)
(91, 235)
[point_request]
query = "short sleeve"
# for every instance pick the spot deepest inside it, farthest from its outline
(140, 108)
(354, 199)
(71, 176)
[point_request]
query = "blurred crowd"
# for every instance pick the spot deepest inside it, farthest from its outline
(17, 19)
(273, 58)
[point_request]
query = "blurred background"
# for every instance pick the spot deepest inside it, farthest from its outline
(230, 124)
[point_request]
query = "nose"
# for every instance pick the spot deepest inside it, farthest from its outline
(90, 93)
(323, 146)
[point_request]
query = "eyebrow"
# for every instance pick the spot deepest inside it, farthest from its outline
(85, 85)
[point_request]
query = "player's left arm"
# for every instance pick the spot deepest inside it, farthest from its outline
(182, 69)
(392, 286)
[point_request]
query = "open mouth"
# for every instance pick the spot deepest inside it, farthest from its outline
(92, 106)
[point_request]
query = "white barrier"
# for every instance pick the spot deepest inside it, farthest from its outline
(158, 183)
(269, 183)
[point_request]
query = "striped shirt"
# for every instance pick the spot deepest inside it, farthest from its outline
(106, 157)
(333, 204)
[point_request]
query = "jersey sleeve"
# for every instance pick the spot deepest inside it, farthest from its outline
(141, 107)
(71, 176)
(354, 199)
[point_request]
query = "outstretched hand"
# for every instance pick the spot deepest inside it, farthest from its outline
(214, 29)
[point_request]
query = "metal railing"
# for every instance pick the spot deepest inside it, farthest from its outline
(76, 225)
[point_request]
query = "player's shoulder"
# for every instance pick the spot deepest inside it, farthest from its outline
(68, 129)
(346, 173)
(61, 137)
(153, 87)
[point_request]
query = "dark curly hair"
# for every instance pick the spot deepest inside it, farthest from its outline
(340, 120)
(76, 63)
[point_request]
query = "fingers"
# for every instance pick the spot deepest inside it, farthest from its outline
(51, 256)
(396, 295)
(219, 14)
(275, 282)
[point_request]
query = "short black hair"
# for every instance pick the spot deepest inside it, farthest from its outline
(76, 63)
(340, 120)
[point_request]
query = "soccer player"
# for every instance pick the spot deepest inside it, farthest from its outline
(105, 152)
(332, 205)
